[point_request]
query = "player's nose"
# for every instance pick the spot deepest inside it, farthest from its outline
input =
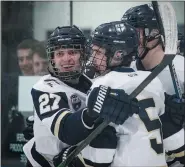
(66, 57)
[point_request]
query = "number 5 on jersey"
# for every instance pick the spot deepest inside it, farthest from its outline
(48, 102)
(153, 125)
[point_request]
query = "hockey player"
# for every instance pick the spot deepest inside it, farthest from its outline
(57, 94)
(138, 141)
(61, 117)
(150, 55)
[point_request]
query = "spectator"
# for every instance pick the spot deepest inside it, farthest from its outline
(13, 120)
(40, 62)
(24, 53)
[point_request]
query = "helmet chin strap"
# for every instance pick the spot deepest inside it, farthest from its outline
(147, 49)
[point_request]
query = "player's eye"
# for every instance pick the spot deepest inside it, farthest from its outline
(97, 52)
(60, 53)
(72, 52)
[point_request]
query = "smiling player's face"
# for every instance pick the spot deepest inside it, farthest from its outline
(67, 60)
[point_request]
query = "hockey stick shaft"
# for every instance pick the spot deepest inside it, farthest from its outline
(166, 61)
(168, 28)
(175, 80)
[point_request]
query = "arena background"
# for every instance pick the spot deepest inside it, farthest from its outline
(36, 20)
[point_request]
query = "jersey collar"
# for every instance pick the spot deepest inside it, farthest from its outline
(139, 66)
(123, 69)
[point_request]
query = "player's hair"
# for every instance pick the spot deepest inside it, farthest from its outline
(27, 44)
(40, 50)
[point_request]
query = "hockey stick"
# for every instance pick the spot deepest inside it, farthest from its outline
(168, 28)
(168, 58)
(166, 61)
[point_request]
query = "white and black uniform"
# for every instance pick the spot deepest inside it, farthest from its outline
(174, 137)
(54, 126)
(139, 141)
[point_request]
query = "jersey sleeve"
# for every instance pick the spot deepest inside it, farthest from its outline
(173, 136)
(54, 112)
(100, 152)
(175, 145)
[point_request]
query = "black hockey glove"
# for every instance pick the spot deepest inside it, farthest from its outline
(111, 104)
(175, 108)
(28, 131)
(62, 156)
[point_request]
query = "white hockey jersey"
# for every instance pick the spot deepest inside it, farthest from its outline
(174, 138)
(140, 137)
(53, 102)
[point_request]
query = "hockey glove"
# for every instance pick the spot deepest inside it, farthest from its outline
(175, 108)
(28, 131)
(62, 156)
(111, 104)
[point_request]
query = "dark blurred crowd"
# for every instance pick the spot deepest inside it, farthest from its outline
(32, 60)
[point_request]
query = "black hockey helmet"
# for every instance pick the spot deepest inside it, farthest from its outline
(116, 37)
(143, 16)
(67, 37)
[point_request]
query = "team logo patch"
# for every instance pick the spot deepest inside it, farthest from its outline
(51, 82)
(132, 75)
(76, 102)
